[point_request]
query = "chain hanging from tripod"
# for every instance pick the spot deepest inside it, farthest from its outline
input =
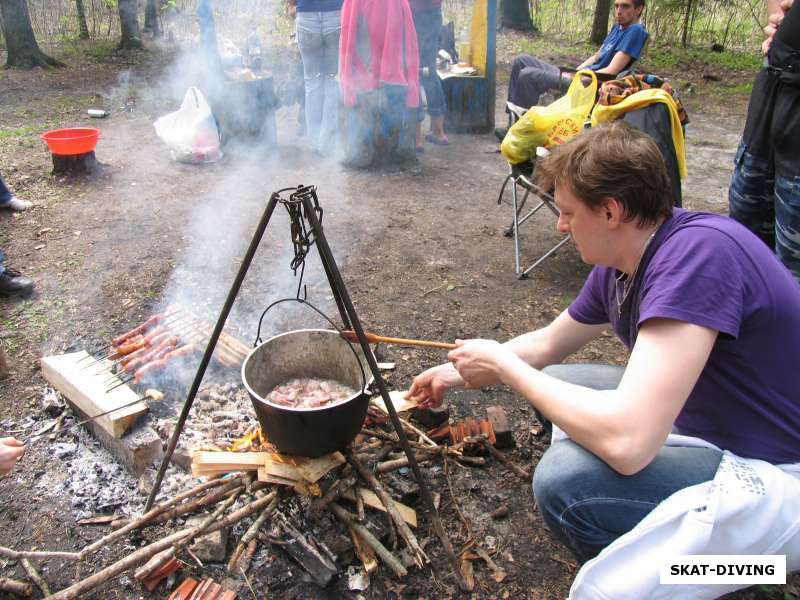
(302, 235)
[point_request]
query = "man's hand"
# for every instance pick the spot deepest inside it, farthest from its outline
(775, 19)
(11, 450)
(479, 361)
(429, 387)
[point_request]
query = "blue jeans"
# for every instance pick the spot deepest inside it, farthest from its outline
(318, 39)
(530, 78)
(5, 198)
(587, 505)
(768, 204)
(428, 24)
(5, 193)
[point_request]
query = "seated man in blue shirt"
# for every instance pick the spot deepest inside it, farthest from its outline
(531, 77)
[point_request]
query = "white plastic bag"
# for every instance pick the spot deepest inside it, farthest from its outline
(191, 131)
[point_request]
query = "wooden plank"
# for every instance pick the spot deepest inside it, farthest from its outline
(371, 499)
(289, 468)
(263, 475)
(212, 463)
(85, 386)
(400, 404)
(312, 469)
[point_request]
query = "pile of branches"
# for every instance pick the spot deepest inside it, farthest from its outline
(238, 496)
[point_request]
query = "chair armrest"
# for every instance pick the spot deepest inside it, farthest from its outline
(516, 110)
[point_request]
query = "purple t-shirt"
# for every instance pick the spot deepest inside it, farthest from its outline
(709, 270)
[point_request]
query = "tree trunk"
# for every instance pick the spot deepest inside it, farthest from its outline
(151, 11)
(84, 29)
(129, 25)
(686, 19)
(517, 15)
(600, 22)
(23, 51)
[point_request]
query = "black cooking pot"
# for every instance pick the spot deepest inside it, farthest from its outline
(314, 353)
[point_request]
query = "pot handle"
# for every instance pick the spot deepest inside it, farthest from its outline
(299, 300)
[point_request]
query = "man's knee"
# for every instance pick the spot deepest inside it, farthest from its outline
(563, 466)
(520, 61)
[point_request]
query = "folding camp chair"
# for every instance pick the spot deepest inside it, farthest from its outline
(521, 178)
(653, 120)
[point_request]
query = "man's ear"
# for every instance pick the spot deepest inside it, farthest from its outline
(613, 211)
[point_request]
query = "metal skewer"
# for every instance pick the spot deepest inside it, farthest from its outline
(109, 355)
(79, 423)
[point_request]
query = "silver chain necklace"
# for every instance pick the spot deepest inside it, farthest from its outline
(627, 281)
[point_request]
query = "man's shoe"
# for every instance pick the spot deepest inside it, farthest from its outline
(13, 283)
(500, 133)
(17, 204)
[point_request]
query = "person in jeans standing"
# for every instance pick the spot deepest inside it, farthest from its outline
(764, 193)
(318, 25)
(12, 282)
(428, 23)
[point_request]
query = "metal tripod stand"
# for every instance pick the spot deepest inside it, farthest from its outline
(306, 217)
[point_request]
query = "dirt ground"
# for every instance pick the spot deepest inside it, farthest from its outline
(421, 249)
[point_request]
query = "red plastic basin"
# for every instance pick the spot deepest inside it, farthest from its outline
(69, 142)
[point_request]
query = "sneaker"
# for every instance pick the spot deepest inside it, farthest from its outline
(17, 204)
(12, 282)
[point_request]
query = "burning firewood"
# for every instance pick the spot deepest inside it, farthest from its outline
(419, 556)
(372, 500)
(181, 544)
(240, 559)
(387, 557)
(35, 576)
(147, 552)
(18, 588)
(303, 549)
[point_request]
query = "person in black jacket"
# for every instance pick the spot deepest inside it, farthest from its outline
(764, 194)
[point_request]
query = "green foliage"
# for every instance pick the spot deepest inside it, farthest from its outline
(99, 50)
(672, 58)
(735, 25)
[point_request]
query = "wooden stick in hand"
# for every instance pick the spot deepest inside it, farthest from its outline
(373, 338)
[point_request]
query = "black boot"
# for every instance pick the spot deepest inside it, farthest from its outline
(13, 283)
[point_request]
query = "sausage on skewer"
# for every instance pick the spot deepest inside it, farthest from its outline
(168, 343)
(161, 361)
(157, 318)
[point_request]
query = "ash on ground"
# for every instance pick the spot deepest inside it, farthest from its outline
(97, 484)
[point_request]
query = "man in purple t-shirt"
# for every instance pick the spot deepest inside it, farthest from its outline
(712, 321)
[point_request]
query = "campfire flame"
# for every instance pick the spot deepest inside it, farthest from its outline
(253, 440)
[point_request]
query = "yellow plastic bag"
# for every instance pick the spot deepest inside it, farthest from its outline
(551, 125)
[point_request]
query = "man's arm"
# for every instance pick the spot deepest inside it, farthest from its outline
(776, 9)
(555, 342)
(589, 61)
(546, 346)
(617, 64)
(625, 427)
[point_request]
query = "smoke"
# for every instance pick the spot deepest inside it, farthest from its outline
(203, 217)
